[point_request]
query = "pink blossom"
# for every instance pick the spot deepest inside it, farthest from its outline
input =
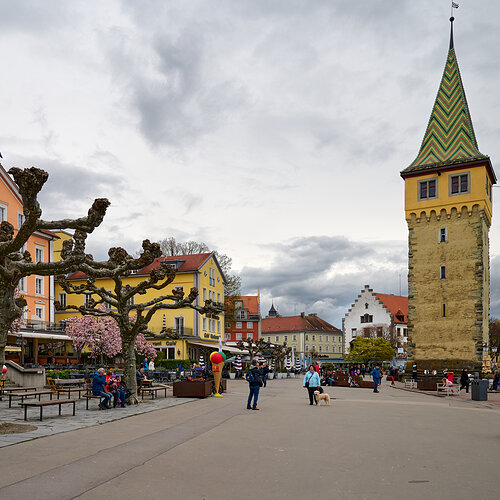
(101, 335)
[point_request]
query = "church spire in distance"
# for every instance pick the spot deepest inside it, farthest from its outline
(449, 138)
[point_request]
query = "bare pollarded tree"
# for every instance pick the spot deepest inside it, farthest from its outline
(15, 264)
(131, 315)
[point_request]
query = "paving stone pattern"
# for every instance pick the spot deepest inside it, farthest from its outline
(54, 424)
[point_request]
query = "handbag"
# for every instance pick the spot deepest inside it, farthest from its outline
(307, 382)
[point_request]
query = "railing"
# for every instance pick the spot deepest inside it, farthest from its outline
(41, 326)
(183, 331)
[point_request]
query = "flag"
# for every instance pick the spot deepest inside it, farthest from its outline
(454, 5)
(220, 344)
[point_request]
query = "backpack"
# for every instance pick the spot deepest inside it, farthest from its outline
(253, 377)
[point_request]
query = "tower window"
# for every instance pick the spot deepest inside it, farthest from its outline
(427, 189)
(443, 235)
(459, 184)
(444, 310)
(443, 274)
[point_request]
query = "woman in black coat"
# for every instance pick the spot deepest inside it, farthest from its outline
(464, 380)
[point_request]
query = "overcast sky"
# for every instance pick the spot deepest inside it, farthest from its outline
(274, 131)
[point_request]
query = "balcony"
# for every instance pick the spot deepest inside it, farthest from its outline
(35, 325)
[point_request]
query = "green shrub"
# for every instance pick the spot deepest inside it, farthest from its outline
(172, 364)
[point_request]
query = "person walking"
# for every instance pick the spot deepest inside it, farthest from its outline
(254, 379)
(496, 380)
(311, 383)
(464, 380)
(264, 370)
(376, 376)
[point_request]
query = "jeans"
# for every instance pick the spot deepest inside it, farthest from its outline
(119, 395)
(311, 390)
(376, 381)
(254, 393)
(264, 380)
(106, 395)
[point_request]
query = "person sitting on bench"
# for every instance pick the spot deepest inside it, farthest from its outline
(140, 376)
(98, 383)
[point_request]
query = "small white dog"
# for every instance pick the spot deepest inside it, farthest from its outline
(325, 397)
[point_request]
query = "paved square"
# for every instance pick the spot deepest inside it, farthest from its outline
(364, 446)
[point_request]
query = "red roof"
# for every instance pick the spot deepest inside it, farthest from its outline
(300, 323)
(396, 304)
(49, 233)
(250, 302)
(189, 263)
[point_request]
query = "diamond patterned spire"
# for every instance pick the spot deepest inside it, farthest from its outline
(449, 138)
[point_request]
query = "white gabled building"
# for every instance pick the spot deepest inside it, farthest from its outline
(377, 315)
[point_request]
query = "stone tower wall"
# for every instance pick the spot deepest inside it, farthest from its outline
(455, 340)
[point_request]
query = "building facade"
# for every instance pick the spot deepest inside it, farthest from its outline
(378, 315)
(196, 332)
(305, 334)
(38, 340)
(448, 208)
(244, 321)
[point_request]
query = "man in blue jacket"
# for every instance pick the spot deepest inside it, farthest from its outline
(254, 379)
(98, 383)
(376, 376)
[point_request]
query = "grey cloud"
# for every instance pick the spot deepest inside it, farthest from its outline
(33, 16)
(324, 274)
(170, 82)
(71, 189)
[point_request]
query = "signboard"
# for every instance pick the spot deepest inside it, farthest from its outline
(401, 350)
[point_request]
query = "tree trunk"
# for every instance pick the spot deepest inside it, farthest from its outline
(129, 367)
(8, 313)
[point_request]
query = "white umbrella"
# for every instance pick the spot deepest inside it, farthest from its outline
(202, 361)
(288, 363)
(237, 363)
(297, 363)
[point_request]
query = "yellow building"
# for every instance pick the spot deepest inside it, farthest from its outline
(448, 207)
(197, 333)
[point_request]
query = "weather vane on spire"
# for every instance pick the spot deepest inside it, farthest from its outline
(453, 6)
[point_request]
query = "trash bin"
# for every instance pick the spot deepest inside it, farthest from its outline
(479, 390)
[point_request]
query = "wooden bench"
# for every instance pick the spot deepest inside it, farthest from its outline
(410, 384)
(19, 389)
(27, 394)
(153, 391)
(89, 395)
(449, 389)
(65, 382)
(70, 390)
(42, 404)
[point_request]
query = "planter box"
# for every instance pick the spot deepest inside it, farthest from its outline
(366, 384)
(428, 384)
(292, 375)
(192, 389)
(270, 376)
(232, 376)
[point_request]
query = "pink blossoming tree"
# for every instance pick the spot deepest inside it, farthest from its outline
(101, 335)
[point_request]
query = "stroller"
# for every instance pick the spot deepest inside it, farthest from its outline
(352, 382)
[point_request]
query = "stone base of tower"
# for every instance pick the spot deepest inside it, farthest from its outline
(448, 290)
(425, 368)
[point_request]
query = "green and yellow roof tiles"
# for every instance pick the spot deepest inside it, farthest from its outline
(449, 138)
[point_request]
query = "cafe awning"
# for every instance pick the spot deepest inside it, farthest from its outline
(36, 335)
(215, 347)
(12, 348)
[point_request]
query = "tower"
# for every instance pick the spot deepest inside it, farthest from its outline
(448, 208)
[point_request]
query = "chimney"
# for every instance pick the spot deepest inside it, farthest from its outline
(302, 315)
